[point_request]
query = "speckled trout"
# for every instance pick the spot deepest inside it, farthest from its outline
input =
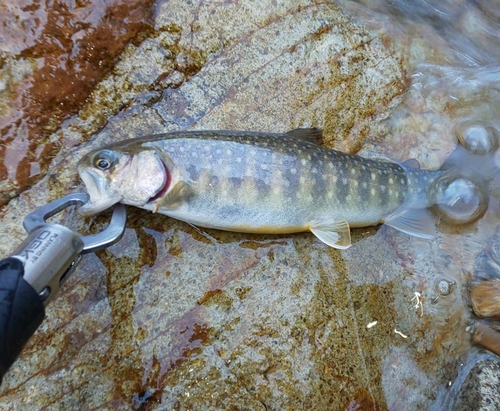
(258, 183)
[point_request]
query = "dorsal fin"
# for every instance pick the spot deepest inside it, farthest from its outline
(311, 135)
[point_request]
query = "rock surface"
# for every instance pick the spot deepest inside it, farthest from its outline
(51, 58)
(175, 317)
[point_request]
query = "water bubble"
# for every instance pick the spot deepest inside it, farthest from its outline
(457, 200)
(478, 137)
(444, 287)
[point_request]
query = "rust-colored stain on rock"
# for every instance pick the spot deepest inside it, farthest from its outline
(70, 47)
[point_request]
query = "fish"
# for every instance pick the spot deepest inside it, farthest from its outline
(256, 182)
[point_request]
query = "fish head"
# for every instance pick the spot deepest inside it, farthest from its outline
(127, 176)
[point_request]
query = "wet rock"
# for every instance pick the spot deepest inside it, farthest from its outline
(178, 317)
(52, 58)
(480, 389)
(485, 296)
(485, 336)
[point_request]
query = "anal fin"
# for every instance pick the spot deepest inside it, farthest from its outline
(415, 222)
(336, 234)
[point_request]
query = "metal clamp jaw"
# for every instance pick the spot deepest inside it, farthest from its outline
(52, 251)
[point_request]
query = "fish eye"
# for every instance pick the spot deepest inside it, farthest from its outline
(104, 160)
(102, 163)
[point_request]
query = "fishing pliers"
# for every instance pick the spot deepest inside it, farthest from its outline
(32, 276)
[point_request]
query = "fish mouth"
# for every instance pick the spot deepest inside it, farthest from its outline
(99, 200)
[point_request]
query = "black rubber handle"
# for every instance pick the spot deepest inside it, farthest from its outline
(21, 312)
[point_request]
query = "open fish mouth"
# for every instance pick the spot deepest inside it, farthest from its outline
(100, 199)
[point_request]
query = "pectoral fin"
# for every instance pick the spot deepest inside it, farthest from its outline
(177, 195)
(416, 222)
(336, 234)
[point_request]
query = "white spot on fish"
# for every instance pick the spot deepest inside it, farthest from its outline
(402, 181)
(353, 171)
(238, 159)
(330, 164)
(286, 183)
(344, 181)
(372, 191)
(263, 166)
(228, 152)
(382, 188)
(365, 185)
(380, 172)
(302, 180)
(348, 198)
(355, 182)
(314, 170)
(330, 194)
(391, 181)
(374, 176)
(363, 168)
(293, 170)
(303, 161)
